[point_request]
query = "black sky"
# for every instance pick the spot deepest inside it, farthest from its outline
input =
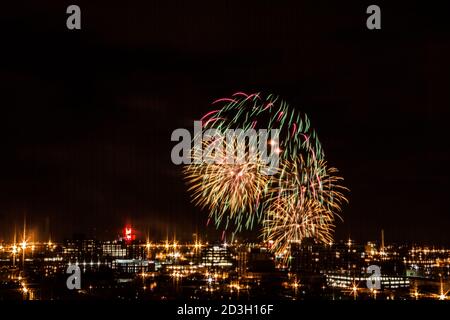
(86, 116)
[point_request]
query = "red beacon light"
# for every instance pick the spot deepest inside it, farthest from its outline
(129, 234)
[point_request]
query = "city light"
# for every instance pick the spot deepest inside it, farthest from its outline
(230, 268)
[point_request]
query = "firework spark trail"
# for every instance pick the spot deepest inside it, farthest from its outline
(317, 182)
(266, 112)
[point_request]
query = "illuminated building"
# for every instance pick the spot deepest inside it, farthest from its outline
(132, 265)
(243, 253)
(217, 256)
(79, 248)
(424, 262)
(114, 249)
(311, 257)
(347, 280)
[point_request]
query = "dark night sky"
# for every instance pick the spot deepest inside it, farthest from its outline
(86, 116)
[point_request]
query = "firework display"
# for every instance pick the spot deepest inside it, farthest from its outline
(290, 220)
(305, 182)
(300, 199)
(305, 201)
(228, 190)
(255, 111)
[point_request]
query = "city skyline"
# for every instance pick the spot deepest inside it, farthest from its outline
(132, 269)
(144, 233)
